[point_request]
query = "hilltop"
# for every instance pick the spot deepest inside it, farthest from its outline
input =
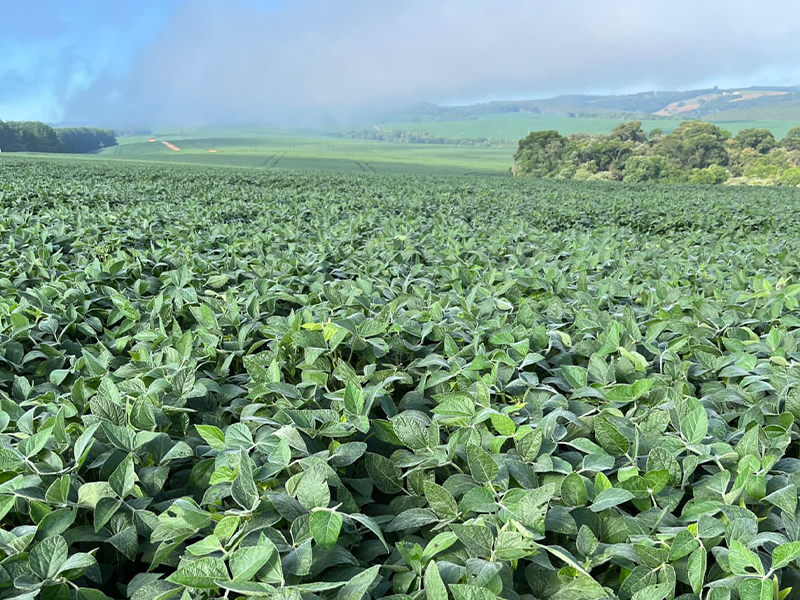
(714, 104)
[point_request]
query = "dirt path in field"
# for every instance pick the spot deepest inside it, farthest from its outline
(171, 146)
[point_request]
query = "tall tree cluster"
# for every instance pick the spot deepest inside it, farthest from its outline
(34, 136)
(696, 152)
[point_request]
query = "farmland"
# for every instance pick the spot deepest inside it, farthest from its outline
(221, 382)
(293, 150)
(513, 126)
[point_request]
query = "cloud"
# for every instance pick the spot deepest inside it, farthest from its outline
(236, 61)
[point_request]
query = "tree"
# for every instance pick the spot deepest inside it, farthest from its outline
(34, 136)
(651, 168)
(792, 139)
(790, 177)
(85, 139)
(695, 145)
(608, 153)
(713, 175)
(540, 153)
(759, 139)
(5, 137)
(629, 132)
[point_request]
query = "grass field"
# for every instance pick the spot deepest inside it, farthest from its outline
(514, 126)
(304, 152)
(262, 148)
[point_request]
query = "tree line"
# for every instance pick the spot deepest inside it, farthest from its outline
(420, 137)
(34, 136)
(696, 152)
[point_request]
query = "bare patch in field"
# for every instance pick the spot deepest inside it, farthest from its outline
(687, 105)
(691, 104)
(171, 147)
(741, 96)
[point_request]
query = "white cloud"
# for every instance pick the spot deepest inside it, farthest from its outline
(232, 61)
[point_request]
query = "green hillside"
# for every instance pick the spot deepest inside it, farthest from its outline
(514, 126)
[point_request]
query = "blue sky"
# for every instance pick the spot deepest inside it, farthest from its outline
(51, 50)
(200, 61)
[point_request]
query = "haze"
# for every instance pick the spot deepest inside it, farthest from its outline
(164, 63)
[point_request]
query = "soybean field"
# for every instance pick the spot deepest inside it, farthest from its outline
(244, 383)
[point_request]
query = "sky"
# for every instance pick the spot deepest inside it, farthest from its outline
(165, 62)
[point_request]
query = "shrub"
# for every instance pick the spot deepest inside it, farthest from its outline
(713, 175)
(790, 177)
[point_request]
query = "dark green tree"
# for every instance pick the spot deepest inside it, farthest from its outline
(540, 153)
(695, 145)
(757, 138)
(792, 139)
(652, 168)
(608, 153)
(85, 139)
(629, 132)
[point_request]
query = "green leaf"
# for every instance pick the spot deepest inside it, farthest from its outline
(55, 523)
(34, 444)
(586, 542)
(243, 488)
(694, 426)
(89, 494)
(740, 558)
(470, 592)
(358, 585)
(370, 524)
(299, 560)
(656, 481)
(353, 398)
(660, 459)
(683, 545)
(785, 554)
(610, 498)
(209, 544)
(325, 527)
(481, 464)
(123, 477)
(658, 591)
(439, 543)
(793, 402)
(755, 589)
(478, 539)
(312, 491)
(246, 562)
(9, 460)
(434, 586)
(384, 473)
(77, 564)
(697, 569)
(84, 443)
(410, 431)
(784, 498)
(200, 573)
(577, 377)
(212, 435)
(48, 556)
(440, 500)
(573, 490)
(530, 444)
(609, 437)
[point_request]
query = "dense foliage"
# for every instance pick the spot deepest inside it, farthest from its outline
(78, 140)
(237, 383)
(695, 152)
(33, 136)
